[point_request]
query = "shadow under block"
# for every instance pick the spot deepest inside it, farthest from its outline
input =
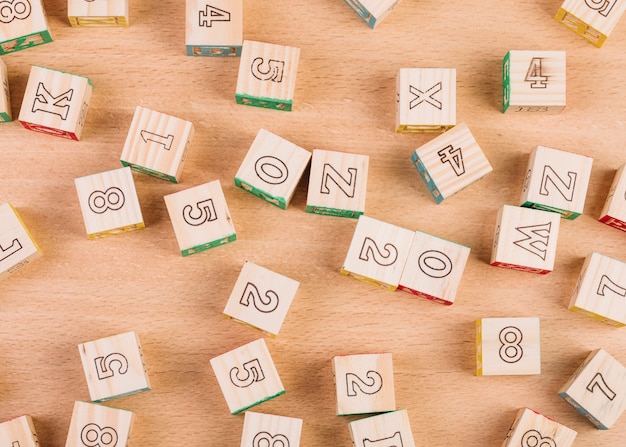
(614, 210)
(337, 183)
(267, 75)
(56, 102)
(157, 144)
(388, 429)
(600, 292)
(24, 24)
(592, 19)
(532, 429)
(270, 430)
(214, 29)
(272, 168)
(425, 99)
(5, 97)
(434, 268)
(200, 218)
(450, 162)
(247, 376)
(114, 367)
(17, 246)
(525, 239)
(261, 298)
(534, 82)
(18, 432)
(97, 13)
(556, 181)
(508, 346)
(96, 425)
(372, 11)
(109, 204)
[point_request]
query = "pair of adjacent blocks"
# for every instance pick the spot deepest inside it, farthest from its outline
(592, 19)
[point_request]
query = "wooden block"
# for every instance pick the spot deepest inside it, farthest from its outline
(372, 11)
(451, 162)
(5, 97)
(434, 268)
(377, 253)
(272, 168)
(601, 290)
(55, 102)
(114, 366)
(109, 204)
(508, 346)
(270, 430)
(247, 376)
(525, 239)
(267, 75)
(364, 383)
(97, 13)
(533, 82)
(200, 218)
(157, 144)
(391, 429)
(556, 181)
(24, 25)
(592, 19)
(614, 210)
(17, 246)
(425, 99)
(337, 184)
(261, 298)
(18, 432)
(532, 429)
(214, 29)
(95, 425)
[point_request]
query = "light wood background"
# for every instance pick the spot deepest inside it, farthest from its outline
(82, 290)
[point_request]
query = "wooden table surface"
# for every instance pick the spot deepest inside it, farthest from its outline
(82, 290)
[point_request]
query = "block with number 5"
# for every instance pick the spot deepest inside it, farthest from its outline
(592, 19)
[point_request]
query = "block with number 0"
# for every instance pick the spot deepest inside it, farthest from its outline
(270, 430)
(614, 210)
(372, 11)
(99, 425)
(214, 29)
(387, 429)
(97, 13)
(532, 429)
(592, 19)
(5, 98)
(24, 25)
(18, 432)
(17, 246)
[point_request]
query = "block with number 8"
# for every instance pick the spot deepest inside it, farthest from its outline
(24, 25)
(269, 430)
(18, 432)
(592, 19)
(532, 429)
(98, 425)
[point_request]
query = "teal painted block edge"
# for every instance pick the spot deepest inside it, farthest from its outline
(336, 212)
(506, 82)
(280, 202)
(432, 187)
(209, 245)
(258, 402)
(149, 171)
(565, 214)
(45, 38)
(214, 50)
(596, 423)
(362, 12)
(266, 103)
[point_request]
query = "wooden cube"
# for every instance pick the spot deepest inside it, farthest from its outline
(247, 376)
(425, 99)
(337, 184)
(272, 168)
(109, 204)
(592, 19)
(600, 292)
(377, 253)
(533, 82)
(24, 25)
(98, 13)
(56, 102)
(556, 181)
(614, 210)
(451, 162)
(508, 346)
(372, 11)
(5, 97)
(261, 298)
(157, 144)
(200, 218)
(18, 432)
(364, 383)
(434, 268)
(270, 430)
(384, 430)
(114, 366)
(96, 425)
(267, 75)
(532, 429)
(214, 29)
(525, 239)
(17, 246)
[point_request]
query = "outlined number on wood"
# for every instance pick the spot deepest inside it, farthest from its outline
(535, 74)
(14, 9)
(271, 170)
(204, 212)
(599, 382)
(264, 439)
(254, 374)
(608, 283)
(435, 264)
(385, 257)
(603, 7)
(274, 71)
(532, 438)
(391, 441)
(92, 435)
(10, 250)
(101, 201)
(511, 350)
(372, 386)
(104, 365)
(166, 141)
(212, 14)
(265, 304)
(454, 156)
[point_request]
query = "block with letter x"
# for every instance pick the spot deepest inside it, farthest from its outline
(18, 432)
(214, 29)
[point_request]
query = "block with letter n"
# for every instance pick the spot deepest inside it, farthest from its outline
(614, 210)
(17, 246)
(97, 12)
(533, 429)
(99, 425)
(23, 24)
(214, 28)
(5, 98)
(270, 430)
(383, 430)
(592, 19)
(18, 432)
(372, 12)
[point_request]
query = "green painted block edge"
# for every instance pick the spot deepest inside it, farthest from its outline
(149, 171)
(130, 393)
(280, 202)
(209, 245)
(506, 82)
(258, 402)
(263, 102)
(225, 50)
(325, 211)
(45, 35)
(5, 117)
(565, 214)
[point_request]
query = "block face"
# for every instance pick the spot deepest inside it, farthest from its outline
(614, 210)
(114, 366)
(525, 239)
(270, 430)
(5, 98)
(592, 19)
(55, 102)
(200, 218)
(508, 346)
(531, 429)
(17, 246)
(267, 75)
(451, 162)
(534, 82)
(109, 204)
(364, 383)
(425, 99)
(337, 184)
(18, 432)
(98, 13)
(157, 144)
(24, 25)
(261, 298)
(247, 376)
(387, 429)
(372, 11)
(94, 424)
(215, 28)
(434, 268)
(272, 168)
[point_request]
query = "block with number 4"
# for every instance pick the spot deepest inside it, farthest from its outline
(214, 29)
(99, 425)
(24, 25)
(5, 98)
(387, 429)
(614, 210)
(18, 432)
(372, 11)
(592, 19)
(98, 13)
(270, 430)
(17, 246)
(532, 429)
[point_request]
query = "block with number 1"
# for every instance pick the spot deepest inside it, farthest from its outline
(18, 432)
(388, 429)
